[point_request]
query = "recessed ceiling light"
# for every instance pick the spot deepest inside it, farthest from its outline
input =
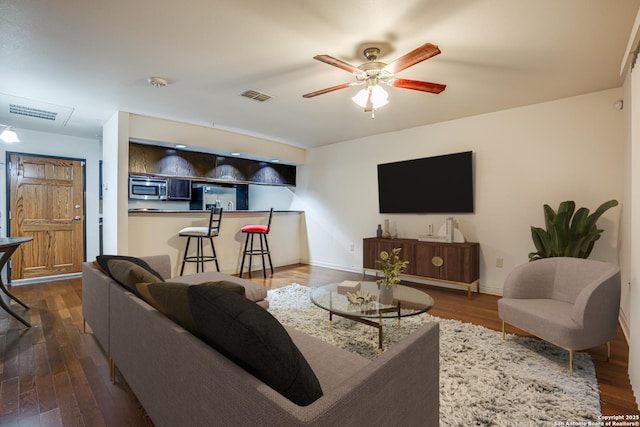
(157, 81)
(180, 146)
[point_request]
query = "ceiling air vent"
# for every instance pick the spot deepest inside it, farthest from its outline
(255, 95)
(32, 112)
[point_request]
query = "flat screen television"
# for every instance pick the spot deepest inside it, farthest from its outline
(439, 184)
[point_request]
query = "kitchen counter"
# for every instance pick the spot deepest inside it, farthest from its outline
(225, 212)
(155, 232)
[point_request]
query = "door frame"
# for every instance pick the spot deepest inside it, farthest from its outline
(8, 155)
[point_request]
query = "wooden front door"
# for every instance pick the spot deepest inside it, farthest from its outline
(46, 203)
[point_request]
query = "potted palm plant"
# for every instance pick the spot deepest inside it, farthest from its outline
(568, 232)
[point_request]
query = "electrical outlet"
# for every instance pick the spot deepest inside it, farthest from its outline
(499, 262)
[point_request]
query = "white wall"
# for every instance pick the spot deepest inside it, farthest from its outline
(570, 149)
(156, 129)
(634, 292)
(115, 194)
(626, 216)
(50, 144)
(265, 197)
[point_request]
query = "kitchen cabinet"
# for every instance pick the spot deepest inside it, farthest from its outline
(453, 263)
(168, 162)
(178, 189)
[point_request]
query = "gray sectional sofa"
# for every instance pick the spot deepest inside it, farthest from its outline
(180, 380)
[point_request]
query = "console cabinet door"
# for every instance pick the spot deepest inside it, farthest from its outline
(373, 246)
(453, 265)
(428, 260)
(447, 261)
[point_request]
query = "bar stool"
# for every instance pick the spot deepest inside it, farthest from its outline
(262, 231)
(201, 233)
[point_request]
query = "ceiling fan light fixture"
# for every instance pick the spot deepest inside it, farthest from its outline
(374, 72)
(379, 96)
(371, 98)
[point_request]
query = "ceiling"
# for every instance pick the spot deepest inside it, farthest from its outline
(88, 59)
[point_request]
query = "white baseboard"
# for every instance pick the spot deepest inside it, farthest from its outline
(336, 267)
(256, 265)
(21, 282)
(624, 324)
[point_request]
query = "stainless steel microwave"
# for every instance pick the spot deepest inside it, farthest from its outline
(146, 188)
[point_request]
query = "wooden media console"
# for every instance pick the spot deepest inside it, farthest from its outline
(452, 263)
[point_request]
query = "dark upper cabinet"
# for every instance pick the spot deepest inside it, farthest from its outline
(162, 161)
(178, 189)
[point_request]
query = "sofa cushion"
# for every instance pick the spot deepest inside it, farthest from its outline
(172, 300)
(128, 274)
(255, 340)
(253, 291)
(103, 264)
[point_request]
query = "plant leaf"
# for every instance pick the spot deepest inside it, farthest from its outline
(590, 222)
(568, 207)
(549, 215)
(578, 222)
(568, 232)
(541, 241)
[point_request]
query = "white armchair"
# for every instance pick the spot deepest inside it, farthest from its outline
(570, 302)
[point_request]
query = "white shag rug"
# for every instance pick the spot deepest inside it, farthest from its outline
(484, 380)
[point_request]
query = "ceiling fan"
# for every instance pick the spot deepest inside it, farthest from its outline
(374, 72)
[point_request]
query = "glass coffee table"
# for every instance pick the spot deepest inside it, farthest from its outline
(370, 303)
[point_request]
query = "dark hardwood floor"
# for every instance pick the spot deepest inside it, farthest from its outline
(54, 374)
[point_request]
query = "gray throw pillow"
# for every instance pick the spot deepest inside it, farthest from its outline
(103, 264)
(129, 274)
(250, 336)
(172, 299)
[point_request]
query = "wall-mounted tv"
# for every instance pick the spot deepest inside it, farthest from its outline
(439, 184)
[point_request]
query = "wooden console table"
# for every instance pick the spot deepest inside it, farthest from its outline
(452, 263)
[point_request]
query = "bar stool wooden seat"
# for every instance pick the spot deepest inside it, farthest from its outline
(201, 233)
(261, 230)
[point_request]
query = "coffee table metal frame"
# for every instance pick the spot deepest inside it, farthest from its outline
(413, 301)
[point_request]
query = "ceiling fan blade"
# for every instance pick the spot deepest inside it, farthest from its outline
(425, 51)
(338, 63)
(329, 89)
(418, 85)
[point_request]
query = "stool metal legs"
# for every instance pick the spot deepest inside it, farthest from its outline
(200, 257)
(249, 251)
